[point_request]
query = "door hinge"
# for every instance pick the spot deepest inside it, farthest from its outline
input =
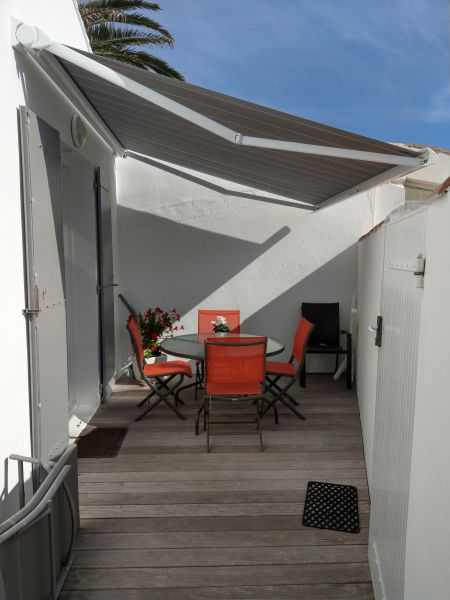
(29, 312)
(415, 265)
(100, 288)
(100, 390)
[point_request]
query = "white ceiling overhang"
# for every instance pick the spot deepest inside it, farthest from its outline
(174, 122)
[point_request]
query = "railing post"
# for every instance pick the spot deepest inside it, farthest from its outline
(21, 484)
(51, 539)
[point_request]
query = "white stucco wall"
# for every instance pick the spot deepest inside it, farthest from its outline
(186, 246)
(22, 84)
(428, 531)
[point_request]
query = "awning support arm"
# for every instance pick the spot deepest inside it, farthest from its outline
(218, 188)
(31, 37)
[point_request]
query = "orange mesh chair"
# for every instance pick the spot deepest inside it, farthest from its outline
(291, 369)
(234, 372)
(205, 326)
(161, 373)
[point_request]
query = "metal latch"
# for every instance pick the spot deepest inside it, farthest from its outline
(419, 271)
(378, 331)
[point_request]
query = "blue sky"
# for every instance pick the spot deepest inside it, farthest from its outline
(377, 67)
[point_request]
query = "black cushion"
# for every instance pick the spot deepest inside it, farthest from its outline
(325, 317)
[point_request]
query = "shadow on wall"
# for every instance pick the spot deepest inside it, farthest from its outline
(332, 282)
(172, 258)
(167, 263)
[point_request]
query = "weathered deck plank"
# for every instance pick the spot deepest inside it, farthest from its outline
(131, 524)
(124, 578)
(217, 539)
(164, 520)
(353, 591)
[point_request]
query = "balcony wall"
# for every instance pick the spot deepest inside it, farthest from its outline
(428, 532)
(183, 245)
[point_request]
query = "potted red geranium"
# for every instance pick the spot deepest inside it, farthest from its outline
(155, 326)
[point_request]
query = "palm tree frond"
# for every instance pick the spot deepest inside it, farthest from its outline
(140, 59)
(96, 11)
(92, 6)
(108, 22)
(131, 18)
(143, 22)
(104, 35)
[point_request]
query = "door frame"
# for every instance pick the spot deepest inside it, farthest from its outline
(105, 280)
(44, 293)
(31, 300)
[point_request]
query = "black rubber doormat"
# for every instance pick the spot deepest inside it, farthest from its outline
(331, 506)
(103, 442)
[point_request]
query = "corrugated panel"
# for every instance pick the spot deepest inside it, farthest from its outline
(153, 131)
(396, 386)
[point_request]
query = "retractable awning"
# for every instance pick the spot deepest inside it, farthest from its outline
(221, 136)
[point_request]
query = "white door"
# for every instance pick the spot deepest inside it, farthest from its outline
(370, 278)
(45, 295)
(394, 414)
(81, 276)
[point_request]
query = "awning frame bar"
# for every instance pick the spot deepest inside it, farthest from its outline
(371, 183)
(377, 157)
(31, 37)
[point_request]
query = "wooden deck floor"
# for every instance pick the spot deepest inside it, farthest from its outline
(164, 520)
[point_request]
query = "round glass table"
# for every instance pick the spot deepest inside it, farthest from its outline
(192, 345)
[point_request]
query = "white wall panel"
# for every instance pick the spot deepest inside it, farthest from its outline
(394, 417)
(427, 573)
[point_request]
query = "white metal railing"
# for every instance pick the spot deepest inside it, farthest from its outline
(44, 504)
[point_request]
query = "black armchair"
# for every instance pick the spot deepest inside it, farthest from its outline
(325, 339)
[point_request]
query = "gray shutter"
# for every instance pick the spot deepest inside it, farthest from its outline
(45, 296)
(106, 279)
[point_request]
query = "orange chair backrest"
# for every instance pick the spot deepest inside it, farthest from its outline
(235, 365)
(304, 330)
(205, 317)
(136, 341)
